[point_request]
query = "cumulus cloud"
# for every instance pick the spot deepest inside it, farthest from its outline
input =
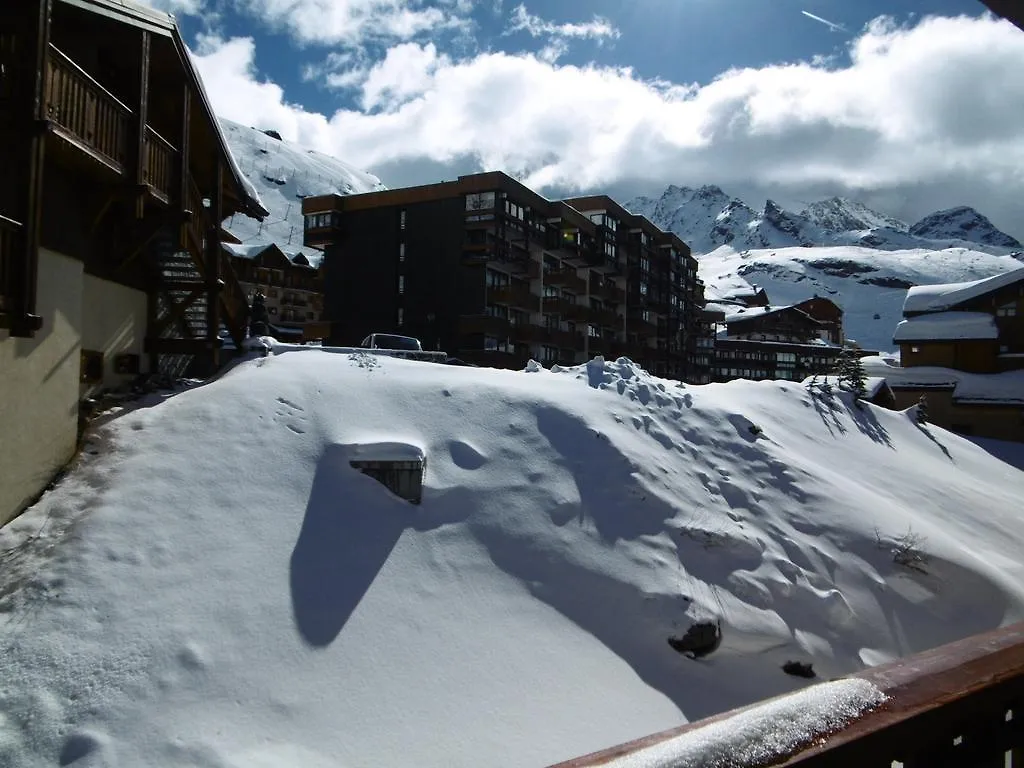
(922, 113)
(597, 28)
(352, 22)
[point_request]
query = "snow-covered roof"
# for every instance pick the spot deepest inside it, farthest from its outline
(1005, 388)
(947, 326)
(747, 313)
(936, 298)
(872, 384)
(252, 250)
(250, 197)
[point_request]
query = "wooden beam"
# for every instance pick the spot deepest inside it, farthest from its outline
(177, 310)
(142, 116)
(184, 141)
(24, 266)
(213, 259)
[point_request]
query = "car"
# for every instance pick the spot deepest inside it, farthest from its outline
(391, 341)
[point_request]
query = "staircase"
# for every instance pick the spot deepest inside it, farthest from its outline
(180, 329)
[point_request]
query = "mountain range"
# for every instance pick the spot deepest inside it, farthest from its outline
(707, 218)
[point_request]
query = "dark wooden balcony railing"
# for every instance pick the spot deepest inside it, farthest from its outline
(159, 168)
(88, 114)
(961, 704)
(8, 230)
(195, 226)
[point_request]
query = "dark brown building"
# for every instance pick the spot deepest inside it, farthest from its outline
(292, 287)
(779, 342)
(976, 326)
(116, 176)
(493, 273)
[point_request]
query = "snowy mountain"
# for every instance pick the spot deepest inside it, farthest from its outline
(250, 599)
(839, 248)
(708, 218)
(283, 174)
(964, 223)
(869, 284)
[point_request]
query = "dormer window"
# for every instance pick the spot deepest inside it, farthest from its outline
(1007, 310)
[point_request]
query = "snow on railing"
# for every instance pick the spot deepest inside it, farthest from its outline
(960, 704)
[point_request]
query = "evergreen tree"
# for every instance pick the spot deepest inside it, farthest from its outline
(849, 370)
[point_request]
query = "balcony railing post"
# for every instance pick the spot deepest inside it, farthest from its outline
(143, 159)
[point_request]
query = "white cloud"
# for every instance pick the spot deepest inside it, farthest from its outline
(177, 6)
(929, 114)
(597, 28)
(352, 22)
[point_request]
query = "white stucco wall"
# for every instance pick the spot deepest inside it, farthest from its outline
(40, 377)
(39, 387)
(113, 322)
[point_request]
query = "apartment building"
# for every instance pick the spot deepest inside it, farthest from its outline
(490, 271)
(291, 286)
(779, 342)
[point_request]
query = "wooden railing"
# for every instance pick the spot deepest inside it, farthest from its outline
(87, 112)
(233, 297)
(8, 231)
(961, 704)
(159, 166)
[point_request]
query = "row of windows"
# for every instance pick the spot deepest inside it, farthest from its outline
(322, 220)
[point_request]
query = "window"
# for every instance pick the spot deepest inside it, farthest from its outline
(401, 219)
(609, 249)
(515, 210)
(401, 283)
(645, 264)
(915, 350)
(643, 289)
(401, 251)
(480, 201)
(401, 316)
(550, 354)
(1007, 310)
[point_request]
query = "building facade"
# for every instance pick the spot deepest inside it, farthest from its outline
(976, 326)
(110, 263)
(291, 286)
(491, 272)
(778, 342)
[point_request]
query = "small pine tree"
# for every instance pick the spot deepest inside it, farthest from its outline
(849, 371)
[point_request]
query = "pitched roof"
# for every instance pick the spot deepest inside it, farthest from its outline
(947, 326)
(937, 298)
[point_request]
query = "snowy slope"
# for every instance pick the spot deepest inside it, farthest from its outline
(284, 173)
(708, 218)
(247, 599)
(869, 284)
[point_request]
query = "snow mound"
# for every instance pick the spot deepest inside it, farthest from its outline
(215, 584)
(284, 173)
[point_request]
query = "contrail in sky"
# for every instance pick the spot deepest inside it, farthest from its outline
(830, 24)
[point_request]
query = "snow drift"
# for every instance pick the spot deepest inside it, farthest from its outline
(215, 585)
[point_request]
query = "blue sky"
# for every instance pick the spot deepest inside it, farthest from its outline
(901, 103)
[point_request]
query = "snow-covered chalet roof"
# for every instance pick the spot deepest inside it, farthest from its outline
(747, 313)
(937, 298)
(947, 326)
(1006, 388)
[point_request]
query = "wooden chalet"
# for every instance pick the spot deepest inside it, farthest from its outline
(976, 326)
(117, 177)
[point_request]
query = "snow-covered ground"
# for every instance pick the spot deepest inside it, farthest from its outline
(283, 173)
(870, 285)
(214, 585)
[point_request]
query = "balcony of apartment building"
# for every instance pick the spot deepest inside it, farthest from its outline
(321, 221)
(565, 278)
(513, 296)
(565, 307)
(486, 247)
(483, 323)
(605, 289)
(641, 323)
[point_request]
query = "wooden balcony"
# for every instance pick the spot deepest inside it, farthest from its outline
(512, 296)
(565, 278)
(485, 324)
(636, 323)
(961, 704)
(606, 291)
(566, 308)
(90, 118)
(606, 318)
